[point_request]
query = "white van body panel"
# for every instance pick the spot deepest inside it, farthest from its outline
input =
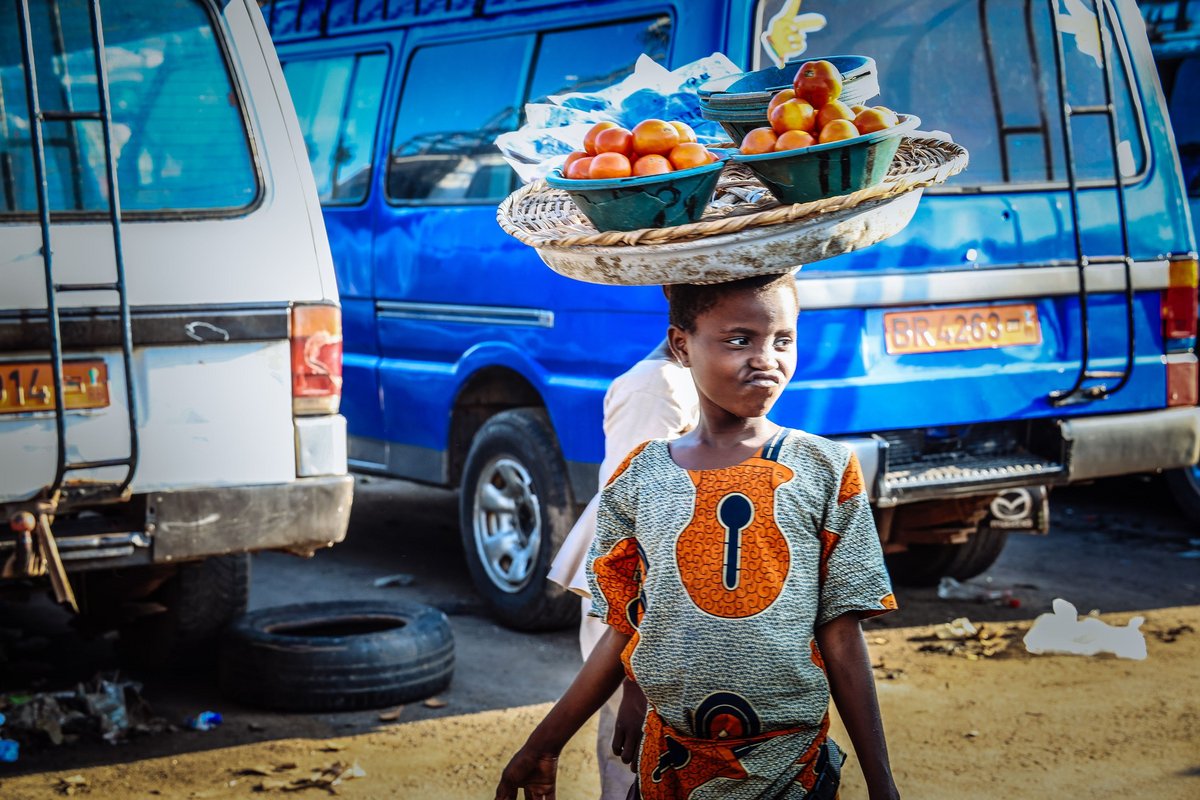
(215, 422)
(194, 431)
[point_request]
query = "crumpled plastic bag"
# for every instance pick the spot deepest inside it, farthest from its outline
(554, 129)
(1064, 631)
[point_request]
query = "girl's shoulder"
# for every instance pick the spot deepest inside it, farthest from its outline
(808, 450)
(642, 461)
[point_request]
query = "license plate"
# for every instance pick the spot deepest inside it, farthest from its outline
(945, 329)
(29, 386)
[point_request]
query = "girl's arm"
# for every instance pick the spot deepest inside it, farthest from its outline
(535, 765)
(852, 685)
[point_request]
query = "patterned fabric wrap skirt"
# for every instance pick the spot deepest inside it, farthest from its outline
(769, 766)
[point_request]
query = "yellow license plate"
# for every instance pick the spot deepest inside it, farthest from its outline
(29, 386)
(945, 329)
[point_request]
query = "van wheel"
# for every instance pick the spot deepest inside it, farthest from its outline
(926, 564)
(1185, 488)
(340, 656)
(515, 511)
(193, 607)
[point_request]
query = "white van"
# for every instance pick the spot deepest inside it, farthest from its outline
(170, 336)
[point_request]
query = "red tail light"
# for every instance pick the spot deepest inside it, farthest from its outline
(1183, 380)
(1179, 302)
(316, 359)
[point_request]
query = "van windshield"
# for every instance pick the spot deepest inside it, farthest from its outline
(178, 133)
(983, 72)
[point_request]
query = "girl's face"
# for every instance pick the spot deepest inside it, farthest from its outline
(742, 353)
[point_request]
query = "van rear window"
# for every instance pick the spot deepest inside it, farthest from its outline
(985, 73)
(178, 133)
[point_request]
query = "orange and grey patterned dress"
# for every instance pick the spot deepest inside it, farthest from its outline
(721, 578)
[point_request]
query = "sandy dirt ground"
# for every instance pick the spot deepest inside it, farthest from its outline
(960, 725)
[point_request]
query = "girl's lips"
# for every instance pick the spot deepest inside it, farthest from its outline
(763, 379)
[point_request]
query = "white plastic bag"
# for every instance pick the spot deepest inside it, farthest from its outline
(1064, 631)
(554, 129)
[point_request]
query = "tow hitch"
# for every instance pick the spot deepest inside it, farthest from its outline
(35, 552)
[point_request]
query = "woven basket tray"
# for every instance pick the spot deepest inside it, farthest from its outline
(745, 231)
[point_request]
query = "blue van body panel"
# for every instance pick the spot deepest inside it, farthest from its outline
(419, 324)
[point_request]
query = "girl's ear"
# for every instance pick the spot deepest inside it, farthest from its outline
(677, 342)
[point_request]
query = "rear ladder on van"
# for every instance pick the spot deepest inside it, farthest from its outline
(34, 540)
(1079, 392)
(1085, 387)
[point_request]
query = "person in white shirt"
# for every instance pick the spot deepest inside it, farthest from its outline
(654, 399)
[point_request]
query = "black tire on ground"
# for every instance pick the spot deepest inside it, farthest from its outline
(197, 603)
(337, 656)
(926, 564)
(515, 510)
(1185, 488)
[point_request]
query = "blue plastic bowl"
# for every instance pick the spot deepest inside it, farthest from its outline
(647, 201)
(829, 170)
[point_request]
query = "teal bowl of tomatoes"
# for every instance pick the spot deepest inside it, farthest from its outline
(644, 201)
(828, 170)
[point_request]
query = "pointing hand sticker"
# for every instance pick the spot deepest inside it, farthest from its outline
(1081, 22)
(785, 36)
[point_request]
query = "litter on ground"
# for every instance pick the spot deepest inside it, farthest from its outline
(1064, 631)
(963, 638)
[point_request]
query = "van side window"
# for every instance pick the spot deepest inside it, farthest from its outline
(969, 68)
(457, 99)
(178, 133)
(1185, 119)
(337, 101)
(589, 59)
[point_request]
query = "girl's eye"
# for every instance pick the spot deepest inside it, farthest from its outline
(783, 343)
(738, 341)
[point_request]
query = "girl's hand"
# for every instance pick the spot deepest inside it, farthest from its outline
(536, 773)
(627, 733)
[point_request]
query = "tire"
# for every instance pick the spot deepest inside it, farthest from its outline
(1185, 488)
(197, 602)
(926, 564)
(515, 510)
(978, 553)
(337, 656)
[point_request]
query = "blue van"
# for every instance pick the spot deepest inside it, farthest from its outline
(1173, 27)
(469, 364)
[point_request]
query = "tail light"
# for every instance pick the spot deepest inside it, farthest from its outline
(1179, 333)
(316, 359)
(1179, 304)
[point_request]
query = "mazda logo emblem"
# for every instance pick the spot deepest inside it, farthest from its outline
(1012, 505)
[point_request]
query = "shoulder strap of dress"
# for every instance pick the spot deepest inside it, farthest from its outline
(771, 448)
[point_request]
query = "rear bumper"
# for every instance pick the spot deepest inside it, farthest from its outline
(299, 517)
(1099, 447)
(1086, 448)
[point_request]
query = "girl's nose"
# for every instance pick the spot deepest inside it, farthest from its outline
(763, 359)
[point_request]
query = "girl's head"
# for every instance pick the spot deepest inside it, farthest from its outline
(738, 339)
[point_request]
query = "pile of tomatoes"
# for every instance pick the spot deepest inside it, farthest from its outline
(653, 147)
(810, 113)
